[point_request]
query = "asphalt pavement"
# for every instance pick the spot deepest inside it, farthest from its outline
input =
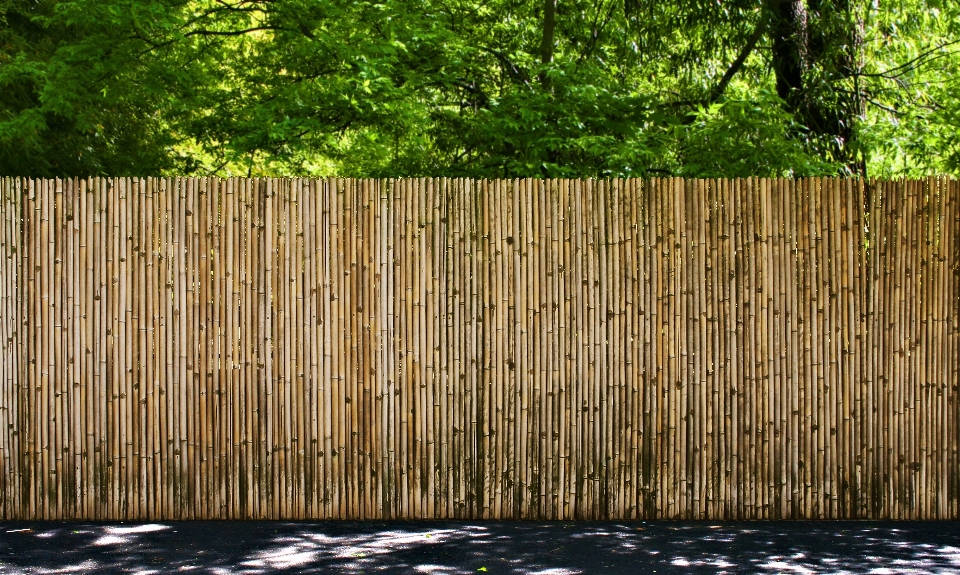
(533, 548)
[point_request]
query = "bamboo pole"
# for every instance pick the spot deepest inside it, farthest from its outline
(9, 275)
(886, 346)
(940, 334)
(732, 222)
(228, 400)
(565, 355)
(904, 444)
(311, 442)
(354, 241)
(707, 364)
(833, 425)
(166, 370)
(137, 332)
(782, 379)
(634, 333)
(655, 256)
(73, 462)
(447, 376)
(920, 410)
(420, 414)
(367, 345)
(8, 220)
(615, 285)
(300, 393)
(538, 339)
(32, 369)
(218, 357)
(146, 353)
(951, 223)
(327, 303)
(384, 268)
(925, 407)
(59, 423)
(856, 339)
(540, 401)
(873, 501)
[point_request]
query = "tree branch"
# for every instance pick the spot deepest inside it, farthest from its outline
(908, 66)
(204, 32)
(515, 72)
(751, 44)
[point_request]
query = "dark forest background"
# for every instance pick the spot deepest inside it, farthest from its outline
(480, 88)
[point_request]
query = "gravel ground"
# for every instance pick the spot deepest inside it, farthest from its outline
(613, 547)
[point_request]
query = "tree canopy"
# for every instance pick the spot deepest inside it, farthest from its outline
(480, 88)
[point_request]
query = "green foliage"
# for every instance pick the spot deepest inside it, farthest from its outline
(434, 87)
(71, 101)
(740, 138)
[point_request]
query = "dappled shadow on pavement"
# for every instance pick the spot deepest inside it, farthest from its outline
(489, 547)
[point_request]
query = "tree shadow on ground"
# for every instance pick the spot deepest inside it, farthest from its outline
(448, 547)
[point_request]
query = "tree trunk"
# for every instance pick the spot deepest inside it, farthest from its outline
(815, 52)
(546, 43)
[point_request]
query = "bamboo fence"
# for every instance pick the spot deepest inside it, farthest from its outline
(193, 348)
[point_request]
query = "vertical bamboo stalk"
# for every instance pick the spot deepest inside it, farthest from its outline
(59, 422)
(665, 348)
(711, 369)
(940, 229)
(899, 262)
(616, 403)
(856, 339)
(915, 383)
(332, 340)
(218, 356)
(833, 426)
(7, 359)
(780, 377)
(6, 381)
(703, 365)
(230, 358)
(417, 390)
(126, 337)
(950, 220)
(634, 312)
(594, 447)
(450, 318)
(299, 447)
(670, 328)
(617, 426)
(9, 381)
(896, 390)
(167, 292)
(736, 226)
(283, 352)
(9, 307)
(354, 240)
(312, 443)
(925, 406)
(72, 461)
(32, 460)
(137, 343)
(872, 500)
(578, 373)
(370, 331)
(149, 356)
(384, 266)
(300, 393)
